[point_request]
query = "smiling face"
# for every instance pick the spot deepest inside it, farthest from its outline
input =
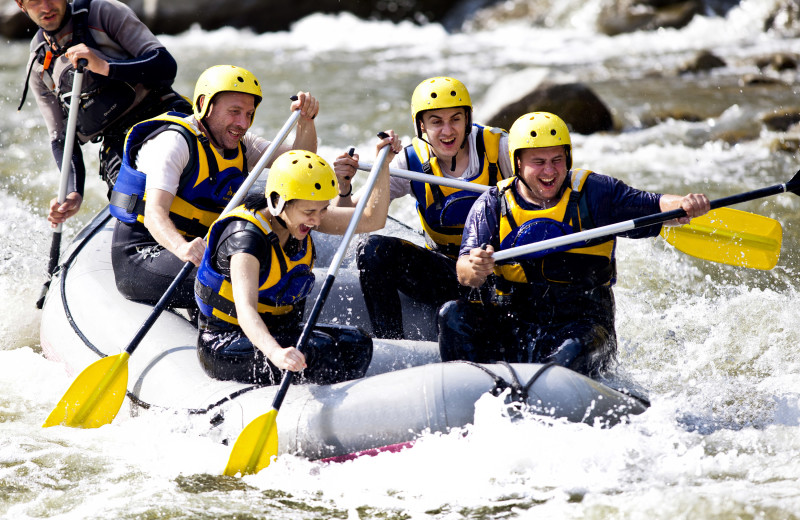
(544, 171)
(301, 216)
(445, 129)
(47, 14)
(229, 117)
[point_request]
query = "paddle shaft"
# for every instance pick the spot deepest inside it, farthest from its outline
(430, 179)
(234, 202)
(332, 270)
(613, 229)
(66, 167)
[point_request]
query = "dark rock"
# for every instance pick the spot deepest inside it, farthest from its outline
(704, 61)
(782, 121)
(14, 24)
(575, 103)
(172, 17)
(752, 80)
(779, 62)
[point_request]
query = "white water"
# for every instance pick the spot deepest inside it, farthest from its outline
(715, 345)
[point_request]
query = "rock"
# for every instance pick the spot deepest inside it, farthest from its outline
(704, 61)
(623, 16)
(172, 17)
(752, 80)
(14, 24)
(782, 121)
(790, 145)
(785, 20)
(582, 110)
(779, 62)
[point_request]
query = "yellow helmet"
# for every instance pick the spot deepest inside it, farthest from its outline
(223, 78)
(538, 130)
(436, 93)
(299, 174)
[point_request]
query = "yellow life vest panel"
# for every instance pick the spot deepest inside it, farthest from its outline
(589, 264)
(442, 209)
(286, 284)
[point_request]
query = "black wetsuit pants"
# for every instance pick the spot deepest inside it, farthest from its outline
(334, 353)
(143, 269)
(388, 266)
(489, 333)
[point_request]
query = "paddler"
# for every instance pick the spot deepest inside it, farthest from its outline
(178, 174)
(554, 305)
(257, 273)
(129, 79)
(448, 144)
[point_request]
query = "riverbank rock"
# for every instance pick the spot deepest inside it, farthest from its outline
(623, 16)
(575, 103)
(172, 17)
(703, 62)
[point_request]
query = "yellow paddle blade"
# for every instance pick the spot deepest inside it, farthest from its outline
(255, 447)
(731, 237)
(96, 395)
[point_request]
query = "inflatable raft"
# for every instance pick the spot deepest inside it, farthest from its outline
(406, 393)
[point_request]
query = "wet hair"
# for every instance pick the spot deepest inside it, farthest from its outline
(255, 201)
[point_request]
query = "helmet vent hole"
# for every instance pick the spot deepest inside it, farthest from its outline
(295, 161)
(240, 79)
(553, 131)
(533, 133)
(453, 93)
(433, 95)
(317, 185)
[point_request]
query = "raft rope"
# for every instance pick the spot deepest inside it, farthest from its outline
(62, 270)
(519, 392)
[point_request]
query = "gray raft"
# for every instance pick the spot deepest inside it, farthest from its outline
(407, 392)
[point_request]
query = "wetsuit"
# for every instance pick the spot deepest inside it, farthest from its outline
(553, 305)
(389, 266)
(334, 353)
(138, 85)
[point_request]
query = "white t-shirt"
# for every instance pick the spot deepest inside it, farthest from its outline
(163, 157)
(399, 187)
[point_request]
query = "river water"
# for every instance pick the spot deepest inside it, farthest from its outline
(715, 345)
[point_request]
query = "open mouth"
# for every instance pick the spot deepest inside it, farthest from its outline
(548, 183)
(303, 229)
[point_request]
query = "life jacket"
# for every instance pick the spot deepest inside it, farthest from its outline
(208, 181)
(286, 284)
(103, 100)
(443, 210)
(586, 264)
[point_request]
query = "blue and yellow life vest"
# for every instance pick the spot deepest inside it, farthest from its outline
(208, 181)
(443, 210)
(589, 264)
(286, 284)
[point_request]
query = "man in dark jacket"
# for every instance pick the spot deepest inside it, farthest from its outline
(554, 305)
(129, 79)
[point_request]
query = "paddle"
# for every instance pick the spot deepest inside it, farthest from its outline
(792, 186)
(96, 395)
(430, 179)
(66, 167)
(258, 442)
(729, 236)
(726, 236)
